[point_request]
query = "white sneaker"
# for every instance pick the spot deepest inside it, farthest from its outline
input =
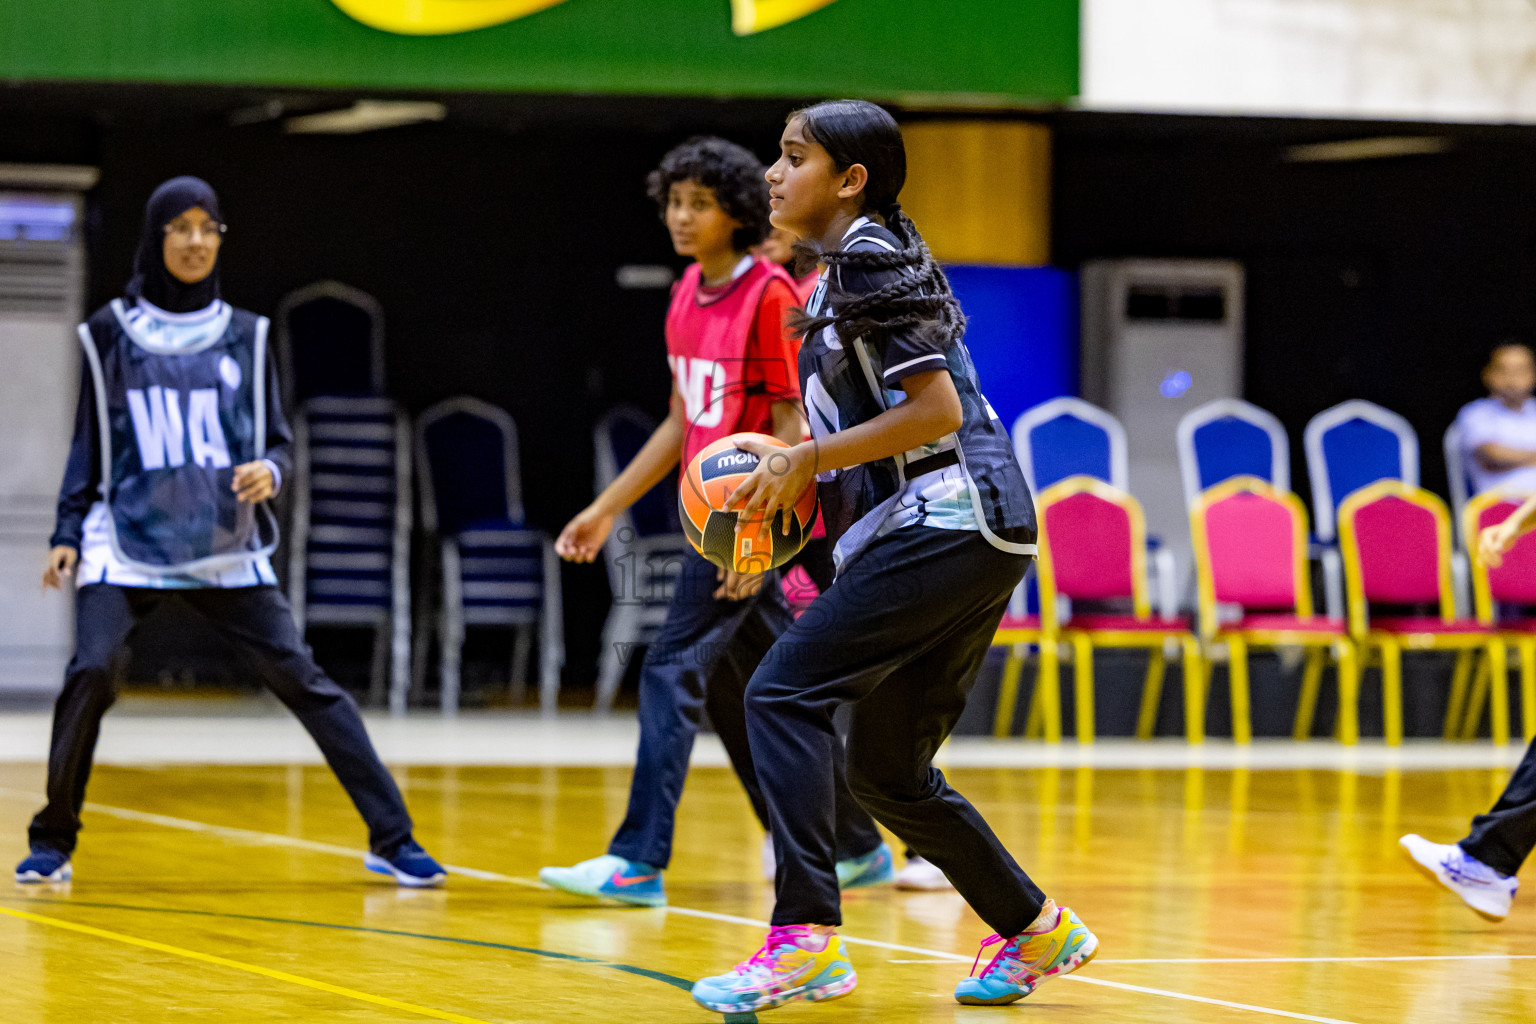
(1487, 892)
(770, 862)
(920, 876)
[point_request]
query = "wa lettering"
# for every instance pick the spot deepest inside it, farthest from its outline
(164, 434)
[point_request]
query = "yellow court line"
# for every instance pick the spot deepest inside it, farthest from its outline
(266, 972)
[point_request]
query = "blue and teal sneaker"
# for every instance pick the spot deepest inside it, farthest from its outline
(875, 868)
(44, 864)
(1028, 959)
(609, 878)
(409, 865)
(794, 963)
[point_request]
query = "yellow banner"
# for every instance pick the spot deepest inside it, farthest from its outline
(445, 17)
(749, 16)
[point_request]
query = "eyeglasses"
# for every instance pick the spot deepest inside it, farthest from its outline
(183, 231)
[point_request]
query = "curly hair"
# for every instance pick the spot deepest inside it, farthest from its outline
(730, 171)
(918, 298)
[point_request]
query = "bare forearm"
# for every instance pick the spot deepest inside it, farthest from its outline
(1524, 517)
(647, 469)
(930, 411)
(788, 424)
(1498, 457)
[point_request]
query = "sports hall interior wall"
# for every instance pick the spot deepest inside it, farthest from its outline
(492, 240)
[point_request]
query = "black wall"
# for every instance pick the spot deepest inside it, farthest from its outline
(492, 240)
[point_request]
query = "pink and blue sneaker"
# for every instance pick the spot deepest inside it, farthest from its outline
(795, 963)
(1028, 959)
(875, 868)
(609, 878)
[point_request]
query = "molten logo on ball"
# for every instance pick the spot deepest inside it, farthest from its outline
(744, 543)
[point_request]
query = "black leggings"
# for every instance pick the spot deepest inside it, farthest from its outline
(1505, 836)
(901, 636)
(257, 622)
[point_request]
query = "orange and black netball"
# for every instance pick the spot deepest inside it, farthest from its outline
(744, 544)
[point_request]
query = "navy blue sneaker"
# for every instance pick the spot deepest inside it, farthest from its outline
(409, 864)
(44, 865)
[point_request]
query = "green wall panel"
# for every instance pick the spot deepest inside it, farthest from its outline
(969, 51)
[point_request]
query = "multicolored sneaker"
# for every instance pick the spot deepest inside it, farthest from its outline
(44, 864)
(1487, 892)
(409, 865)
(1028, 959)
(609, 878)
(874, 868)
(794, 963)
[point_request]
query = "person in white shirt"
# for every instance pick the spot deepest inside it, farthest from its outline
(1498, 433)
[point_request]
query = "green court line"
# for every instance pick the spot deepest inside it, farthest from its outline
(643, 972)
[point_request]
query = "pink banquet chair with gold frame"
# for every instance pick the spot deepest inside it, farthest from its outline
(1512, 583)
(1250, 541)
(1093, 548)
(1396, 542)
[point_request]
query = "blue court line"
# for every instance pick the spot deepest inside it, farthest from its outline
(643, 972)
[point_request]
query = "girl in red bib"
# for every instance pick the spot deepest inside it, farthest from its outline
(734, 368)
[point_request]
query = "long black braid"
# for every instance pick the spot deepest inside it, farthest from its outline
(919, 297)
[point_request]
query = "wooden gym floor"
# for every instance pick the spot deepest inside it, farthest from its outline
(236, 894)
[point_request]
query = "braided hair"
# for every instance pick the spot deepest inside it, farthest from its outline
(918, 298)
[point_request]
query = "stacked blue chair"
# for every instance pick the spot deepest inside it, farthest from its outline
(349, 546)
(1068, 437)
(644, 553)
(1350, 446)
(494, 569)
(349, 553)
(330, 341)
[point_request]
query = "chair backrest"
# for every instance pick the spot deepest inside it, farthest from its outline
(617, 439)
(1093, 545)
(1458, 478)
(330, 340)
(467, 453)
(1070, 437)
(1350, 446)
(1396, 542)
(1514, 580)
(1227, 438)
(1250, 542)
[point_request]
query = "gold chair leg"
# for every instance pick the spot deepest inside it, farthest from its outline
(1528, 689)
(1151, 693)
(1311, 682)
(1457, 701)
(1237, 683)
(1048, 689)
(1194, 692)
(1347, 724)
(1392, 691)
(1477, 698)
(1008, 692)
(1082, 678)
(1498, 692)
(1034, 716)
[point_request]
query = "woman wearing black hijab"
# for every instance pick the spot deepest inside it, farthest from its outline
(179, 442)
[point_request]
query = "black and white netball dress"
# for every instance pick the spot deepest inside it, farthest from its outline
(179, 444)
